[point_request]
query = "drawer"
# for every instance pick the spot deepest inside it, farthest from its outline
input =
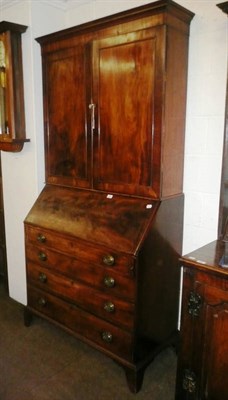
(105, 336)
(91, 274)
(104, 305)
(84, 251)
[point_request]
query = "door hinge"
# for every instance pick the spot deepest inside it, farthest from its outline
(194, 304)
(189, 381)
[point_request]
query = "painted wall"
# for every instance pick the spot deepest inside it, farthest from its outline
(23, 173)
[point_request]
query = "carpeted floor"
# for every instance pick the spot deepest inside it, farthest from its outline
(43, 362)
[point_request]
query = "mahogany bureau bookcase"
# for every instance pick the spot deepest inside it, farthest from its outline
(104, 236)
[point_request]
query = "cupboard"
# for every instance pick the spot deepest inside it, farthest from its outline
(203, 355)
(203, 359)
(104, 236)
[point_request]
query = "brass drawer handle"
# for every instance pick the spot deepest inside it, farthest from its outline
(109, 307)
(42, 277)
(42, 302)
(109, 281)
(41, 238)
(106, 337)
(109, 260)
(42, 256)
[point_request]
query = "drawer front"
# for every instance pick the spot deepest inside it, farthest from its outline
(110, 338)
(104, 305)
(98, 255)
(94, 275)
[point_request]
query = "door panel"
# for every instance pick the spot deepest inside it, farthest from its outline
(68, 143)
(215, 360)
(204, 344)
(127, 86)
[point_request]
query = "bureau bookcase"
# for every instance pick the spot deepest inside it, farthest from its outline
(104, 236)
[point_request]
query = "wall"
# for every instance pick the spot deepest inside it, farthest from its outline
(23, 173)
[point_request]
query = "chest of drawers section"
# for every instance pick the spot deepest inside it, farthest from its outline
(88, 289)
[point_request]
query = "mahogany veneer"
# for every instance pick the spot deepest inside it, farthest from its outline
(203, 358)
(104, 236)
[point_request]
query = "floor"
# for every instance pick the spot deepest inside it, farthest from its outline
(43, 362)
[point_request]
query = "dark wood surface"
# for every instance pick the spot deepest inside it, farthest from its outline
(14, 134)
(118, 222)
(106, 231)
(87, 136)
(62, 268)
(207, 258)
(204, 347)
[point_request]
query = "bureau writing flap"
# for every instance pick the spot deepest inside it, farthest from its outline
(116, 221)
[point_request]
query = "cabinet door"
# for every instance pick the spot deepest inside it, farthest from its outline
(67, 133)
(215, 355)
(203, 360)
(127, 98)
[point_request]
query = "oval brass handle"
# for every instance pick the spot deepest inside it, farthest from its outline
(107, 337)
(41, 238)
(109, 307)
(42, 256)
(109, 281)
(42, 302)
(42, 277)
(109, 260)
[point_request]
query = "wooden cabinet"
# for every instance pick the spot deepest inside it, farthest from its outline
(104, 236)
(99, 134)
(203, 359)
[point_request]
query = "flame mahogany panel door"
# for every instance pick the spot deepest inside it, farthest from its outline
(67, 138)
(127, 83)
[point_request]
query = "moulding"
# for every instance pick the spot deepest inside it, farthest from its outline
(224, 6)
